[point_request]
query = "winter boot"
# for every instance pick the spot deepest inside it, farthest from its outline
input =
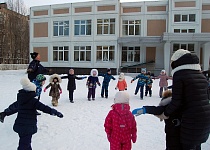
(2, 116)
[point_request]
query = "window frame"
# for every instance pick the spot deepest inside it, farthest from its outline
(128, 24)
(108, 50)
(61, 50)
(87, 24)
(80, 50)
(107, 26)
(61, 26)
(127, 50)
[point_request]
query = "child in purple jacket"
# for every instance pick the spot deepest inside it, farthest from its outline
(91, 83)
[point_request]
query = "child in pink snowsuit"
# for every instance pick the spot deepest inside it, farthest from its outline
(120, 124)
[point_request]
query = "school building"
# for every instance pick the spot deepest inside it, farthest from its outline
(123, 36)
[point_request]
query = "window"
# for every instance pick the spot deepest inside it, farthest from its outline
(105, 53)
(60, 53)
(184, 30)
(186, 46)
(130, 54)
(60, 28)
(106, 26)
(82, 27)
(184, 18)
(82, 53)
(131, 27)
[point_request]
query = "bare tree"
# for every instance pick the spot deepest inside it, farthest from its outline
(17, 6)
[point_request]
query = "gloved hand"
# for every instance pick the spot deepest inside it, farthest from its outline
(115, 88)
(162, 116)
(125, 88)
(131, 81)
(56, 113)
(109, 137)
(60, 91)
(133, 138)
(84, 77)
(2, 116)
(99, 84)
(139, 111)
(45, 89)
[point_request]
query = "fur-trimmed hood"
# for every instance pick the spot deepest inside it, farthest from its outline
(55, 76)
(91, 72)
(121, 77)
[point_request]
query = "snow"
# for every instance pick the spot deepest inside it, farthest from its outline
(82, 125)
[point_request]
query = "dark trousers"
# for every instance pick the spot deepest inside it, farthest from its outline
(161, 90)
(191, 147)
(141, 87)
(148, 89)
(71, 92)
(24, 142)
(91, 92)
(104, 89)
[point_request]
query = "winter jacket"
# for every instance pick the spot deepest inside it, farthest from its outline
(163, 80)
(38, 87)
(149, 81)
(172, 125)
(71, 81)
(142, 79)
(92, 81)
(107, 78)
(55, 86)
(190, 93)
(26, 106)
(120, 124)
(121, 85)
(34, 69)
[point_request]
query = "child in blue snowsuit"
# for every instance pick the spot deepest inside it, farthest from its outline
(148, 85)
(91, 84)
(39, 82)
(142, 79)
(105, 85)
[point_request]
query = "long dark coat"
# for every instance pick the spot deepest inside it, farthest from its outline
(71, 81)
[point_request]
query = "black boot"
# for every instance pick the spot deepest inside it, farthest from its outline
(2, 116)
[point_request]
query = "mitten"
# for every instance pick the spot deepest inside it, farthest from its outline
(134, 137)
(84, 77)
(56, 113)
(139, 111)
(60, 91)
(125, 88)
(45, 89)
(99, 84)
(2, 116)
(115, 88)
(131, 81)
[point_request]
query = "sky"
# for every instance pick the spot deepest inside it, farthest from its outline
(82, 127)
(31, 3)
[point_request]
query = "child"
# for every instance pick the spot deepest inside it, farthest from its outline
(142, 79)
(55, 88)
(105, 85)
(172, 124)
(163, 83)
(26, 122)
(120, 124)
(71, 83)
(148, 84)
(91, 83)
(121, 84)
(39, 82)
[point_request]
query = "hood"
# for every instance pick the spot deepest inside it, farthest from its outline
(121, 109)
(165, 101)
(121, 77)
(55, 76)
(24, 96)
(91, 72)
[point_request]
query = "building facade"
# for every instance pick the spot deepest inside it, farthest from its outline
(122, 36)
(14, 37)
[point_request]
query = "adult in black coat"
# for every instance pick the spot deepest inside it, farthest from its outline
(172, 125)
(26, 122)
(71, 83)
(35, 67)
(190, 94)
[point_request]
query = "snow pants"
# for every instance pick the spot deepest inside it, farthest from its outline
(141, 87)
(104, 89)
(115, 145)
(148, 89)
(71, 98)
(91, 92)
(161, 90)
(24, 142)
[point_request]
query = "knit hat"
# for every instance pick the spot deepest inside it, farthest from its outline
(27, 85)
(143, 70)
(34, 55)
(121, 97)
(108, 70)
(122, 76)
(179, 53)
(163, 71)
(40, 78)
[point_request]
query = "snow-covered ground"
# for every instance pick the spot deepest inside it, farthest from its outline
(82, 126)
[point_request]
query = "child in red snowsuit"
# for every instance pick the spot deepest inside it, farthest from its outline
(120, 124)
(121, 84)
